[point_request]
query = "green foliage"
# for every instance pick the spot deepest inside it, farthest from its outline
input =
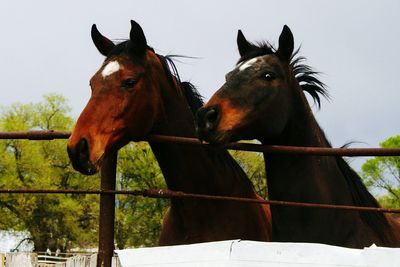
(53, 221)
(253, 164)
(383, 173)
(139, 219)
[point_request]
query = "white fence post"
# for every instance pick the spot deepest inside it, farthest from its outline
(93, 260)
(21, 259)
(2, 260)
(115, 262)
(82, 261)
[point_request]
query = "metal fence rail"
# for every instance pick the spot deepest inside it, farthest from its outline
(107, 190)
(294, 150)
(168, 194)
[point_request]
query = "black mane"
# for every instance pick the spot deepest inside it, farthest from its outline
(360, 195)
(306, 77)
(193, 97)
(259, 49)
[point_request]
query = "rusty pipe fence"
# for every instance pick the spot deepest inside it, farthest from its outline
(107, 190)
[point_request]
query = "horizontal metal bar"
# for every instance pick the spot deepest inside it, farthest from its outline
(271, 149)
(168, 194)
(35, 135)
(294, 150)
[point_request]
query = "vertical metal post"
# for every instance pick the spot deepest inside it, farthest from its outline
(107, 211)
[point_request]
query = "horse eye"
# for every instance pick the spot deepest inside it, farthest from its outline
(128, 83)
(269, 77)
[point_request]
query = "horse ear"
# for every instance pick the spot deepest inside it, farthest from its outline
(243, 45)
(137, 38)
(286, 44)
(103, 44)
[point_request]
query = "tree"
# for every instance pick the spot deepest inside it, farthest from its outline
(53, 221)
(253, 164)
(138, 219)
(383, 173)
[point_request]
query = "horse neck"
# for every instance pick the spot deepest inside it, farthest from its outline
(304, 178)
(319, 179)
(192, 168)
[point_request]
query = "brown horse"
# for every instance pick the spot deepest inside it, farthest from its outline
(263, 99)
(137, 92)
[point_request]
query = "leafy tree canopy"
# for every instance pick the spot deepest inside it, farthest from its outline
(383, 173)
(53, 221)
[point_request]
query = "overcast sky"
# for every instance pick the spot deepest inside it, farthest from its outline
(46, 47)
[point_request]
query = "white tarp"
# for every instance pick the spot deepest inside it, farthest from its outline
(252, 253)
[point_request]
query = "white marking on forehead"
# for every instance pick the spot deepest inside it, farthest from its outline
(248, 63)
(110, 68)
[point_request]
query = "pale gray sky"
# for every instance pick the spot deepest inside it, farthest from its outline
(46, 47)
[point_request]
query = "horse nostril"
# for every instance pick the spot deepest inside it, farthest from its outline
(207, 120)
(211, 117)
(82, 150)
(80, 157)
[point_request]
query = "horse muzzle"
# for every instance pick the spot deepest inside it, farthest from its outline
(207, 120)
(80, 157)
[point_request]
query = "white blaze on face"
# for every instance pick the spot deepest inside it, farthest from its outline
(248, 63)
(110, 68)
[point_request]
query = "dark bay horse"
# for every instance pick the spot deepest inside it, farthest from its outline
(263, 98)
(137, 92)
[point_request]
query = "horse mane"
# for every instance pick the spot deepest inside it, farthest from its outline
(361, 196)
(308, 81)
(258, 49)
(307, 78)
(304, 74)
(193, 97)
